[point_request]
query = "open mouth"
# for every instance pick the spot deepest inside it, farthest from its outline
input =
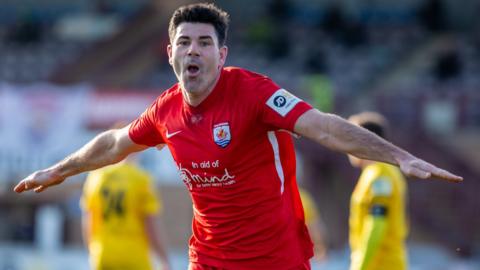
(193, 70)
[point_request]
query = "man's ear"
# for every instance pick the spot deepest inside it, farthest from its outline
(169, 53)
(223, 55)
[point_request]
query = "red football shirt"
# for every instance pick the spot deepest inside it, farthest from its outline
(236, 158)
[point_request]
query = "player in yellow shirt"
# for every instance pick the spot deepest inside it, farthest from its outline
(119, 221)
(378, 225)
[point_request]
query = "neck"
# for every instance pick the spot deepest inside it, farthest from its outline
(365, 163)
(194, 98)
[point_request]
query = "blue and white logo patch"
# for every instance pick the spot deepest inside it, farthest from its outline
(282, 101)
(382, 187)
(221, 134)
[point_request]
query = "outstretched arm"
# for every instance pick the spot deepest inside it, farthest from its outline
(107, 148)
(338, 134)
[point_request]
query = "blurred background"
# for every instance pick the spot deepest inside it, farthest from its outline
(70, 69)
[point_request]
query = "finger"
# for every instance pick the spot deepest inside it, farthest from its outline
(40, 189)
(440, 173)
(20, 187)
(425, 166)
(419, 173)
(24, 185)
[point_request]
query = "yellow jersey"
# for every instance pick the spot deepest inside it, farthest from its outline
(118, 198)
(383, 185)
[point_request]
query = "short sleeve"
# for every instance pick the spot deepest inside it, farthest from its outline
(143, 130)
(280, 108)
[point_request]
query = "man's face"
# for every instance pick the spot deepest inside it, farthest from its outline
(196, 57)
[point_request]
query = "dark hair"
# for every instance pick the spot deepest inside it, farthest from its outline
(375, 128)
(371, 121)
(201, 13)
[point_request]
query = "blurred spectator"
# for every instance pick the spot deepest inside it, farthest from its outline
(334, 21)
(278, 45)
(348, 32)
(432, 16)
(448, 63)
(316, 60)
(319, 87)
(259, 31)
(354, 34)
(317, 84)
(280, 11)
(27, 30)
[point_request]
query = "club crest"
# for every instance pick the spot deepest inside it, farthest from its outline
(221, 134)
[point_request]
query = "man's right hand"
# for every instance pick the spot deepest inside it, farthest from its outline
(415, 167)
(39, 181)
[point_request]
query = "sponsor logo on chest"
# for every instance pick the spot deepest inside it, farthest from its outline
(221, 134)
(194, 177)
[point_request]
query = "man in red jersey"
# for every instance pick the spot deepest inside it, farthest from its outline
(228, 130)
